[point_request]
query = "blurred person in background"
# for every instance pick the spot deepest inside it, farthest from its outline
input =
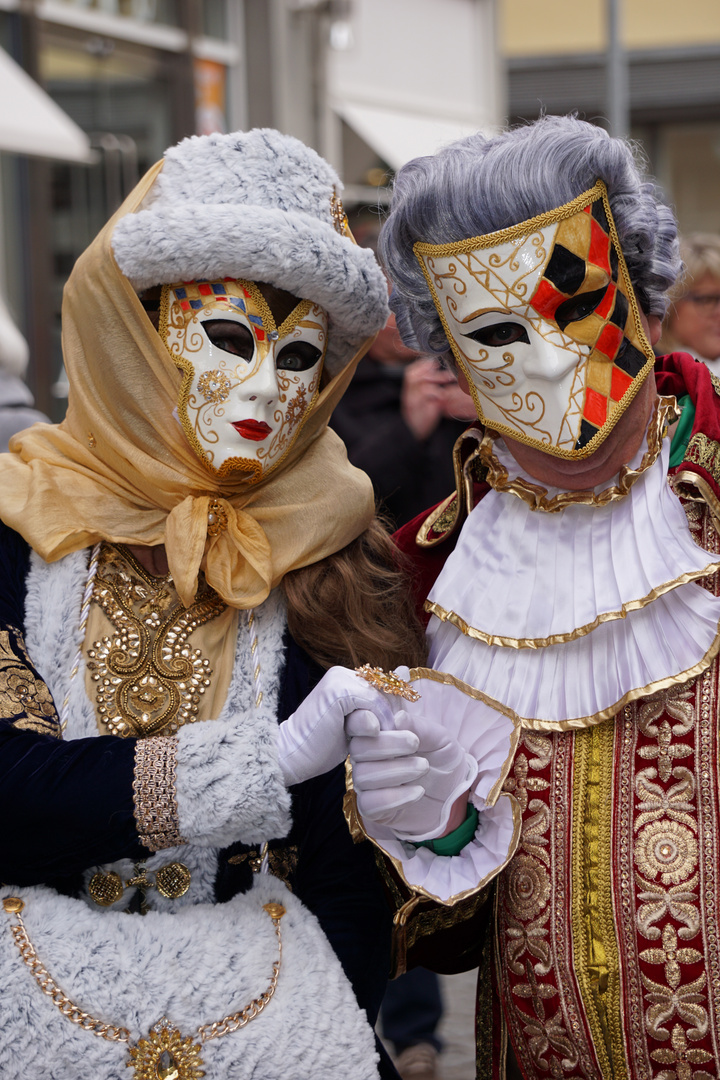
(692, 323)
(16, 402)
(399, 420)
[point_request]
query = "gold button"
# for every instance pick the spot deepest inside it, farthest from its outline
(275, 911)
(173, 880)
(13, 905)
(106, 889)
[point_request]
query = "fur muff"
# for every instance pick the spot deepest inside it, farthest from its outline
(195, 967)
(255, 205)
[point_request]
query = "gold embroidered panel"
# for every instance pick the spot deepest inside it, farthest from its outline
(608, 953)
(705, 452)
(25, 700)
(144, 673)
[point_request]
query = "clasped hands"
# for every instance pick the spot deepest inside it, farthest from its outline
(408, 771)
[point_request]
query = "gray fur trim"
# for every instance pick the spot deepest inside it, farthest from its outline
(195, 967)
(254, 205)
(229, 785)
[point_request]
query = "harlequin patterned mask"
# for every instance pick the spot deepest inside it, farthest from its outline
(247, 384)
(543, 321)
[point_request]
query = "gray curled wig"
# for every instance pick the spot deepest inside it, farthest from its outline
(482, 184)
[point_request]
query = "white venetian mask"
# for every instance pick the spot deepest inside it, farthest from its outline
(247, 384)
(543, 321)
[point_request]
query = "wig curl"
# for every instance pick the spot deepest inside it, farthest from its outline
(482, 184)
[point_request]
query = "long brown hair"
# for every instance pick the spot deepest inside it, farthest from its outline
(355, 607)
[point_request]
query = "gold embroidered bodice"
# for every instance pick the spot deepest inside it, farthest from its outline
(152, 664)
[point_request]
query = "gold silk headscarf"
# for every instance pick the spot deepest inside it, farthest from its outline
(119, 467)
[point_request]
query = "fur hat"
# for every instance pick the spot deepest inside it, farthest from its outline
(255, 205)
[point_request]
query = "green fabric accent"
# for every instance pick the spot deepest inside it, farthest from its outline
(683, 431)
(454, 842)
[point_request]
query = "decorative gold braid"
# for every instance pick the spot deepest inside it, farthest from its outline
(597, 961)
(156, 808)
(163, 1036)
(536, 496)
(514, 232)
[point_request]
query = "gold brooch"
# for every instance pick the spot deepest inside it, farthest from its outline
(165, 1053)
(338, 215)
(217, 518)
(388, 682)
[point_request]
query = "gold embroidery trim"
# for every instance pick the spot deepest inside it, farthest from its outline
(464, 627)
(536, 496)
(577, 723)
(357, 828)
(597, 957)
(683, 480)
(149, 680)
(440, 521)
(443, 519)
(358, 832)
(705, 452)
(154, 797)
(22, 691)
(522, 230)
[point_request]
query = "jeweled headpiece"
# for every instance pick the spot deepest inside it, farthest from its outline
(543, 321)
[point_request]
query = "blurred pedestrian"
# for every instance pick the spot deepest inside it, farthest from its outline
(17, 410)
(399, 420)
(693, 320)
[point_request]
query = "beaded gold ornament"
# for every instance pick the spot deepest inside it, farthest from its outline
(388, 682)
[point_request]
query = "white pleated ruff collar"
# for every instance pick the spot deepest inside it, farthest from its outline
(560, 619)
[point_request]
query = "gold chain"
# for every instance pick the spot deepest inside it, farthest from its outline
(13, 905)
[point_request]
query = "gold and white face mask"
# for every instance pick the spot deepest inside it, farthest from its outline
(543, 321)
(248, 384)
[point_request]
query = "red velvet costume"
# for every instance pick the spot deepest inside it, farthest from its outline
(604, 955)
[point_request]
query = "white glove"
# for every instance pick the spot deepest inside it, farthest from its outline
(313, 740)
(412, 794)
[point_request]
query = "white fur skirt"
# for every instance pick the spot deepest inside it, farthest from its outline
(188, 969)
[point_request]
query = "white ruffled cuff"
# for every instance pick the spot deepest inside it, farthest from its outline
(449, 878)
(490, 739)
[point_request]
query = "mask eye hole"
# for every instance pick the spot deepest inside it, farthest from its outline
(297, 356)
(499, 334)
(578, 307)
(231, 337)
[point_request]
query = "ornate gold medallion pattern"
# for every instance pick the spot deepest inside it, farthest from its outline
(535, 948)
(24, 697)
(148, 678)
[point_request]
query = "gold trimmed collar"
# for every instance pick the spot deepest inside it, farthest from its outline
(536, 496)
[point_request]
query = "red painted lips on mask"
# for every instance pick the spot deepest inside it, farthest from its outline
(255, 430)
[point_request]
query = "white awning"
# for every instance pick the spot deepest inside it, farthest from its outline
(31, 122)
(398, 136)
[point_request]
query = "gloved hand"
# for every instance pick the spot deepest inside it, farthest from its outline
(313, 740)
(412, 794)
